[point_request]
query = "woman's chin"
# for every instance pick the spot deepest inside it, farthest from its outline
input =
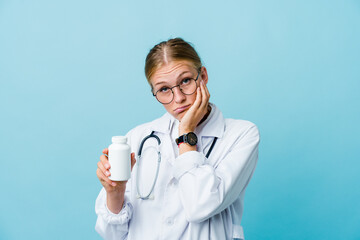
(179, 116)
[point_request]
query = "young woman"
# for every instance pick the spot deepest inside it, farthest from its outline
(196, 189)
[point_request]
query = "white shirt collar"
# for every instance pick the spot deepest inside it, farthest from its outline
(213, 126)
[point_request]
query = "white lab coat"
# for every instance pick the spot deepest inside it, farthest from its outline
(194, 197)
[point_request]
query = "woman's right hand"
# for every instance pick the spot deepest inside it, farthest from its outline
(103, 174)
(115, 190)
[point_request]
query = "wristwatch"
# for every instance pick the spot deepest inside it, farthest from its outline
(189, 138)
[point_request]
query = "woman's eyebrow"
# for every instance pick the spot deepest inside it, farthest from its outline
(177, 78)
(183, 74)
(159, 83)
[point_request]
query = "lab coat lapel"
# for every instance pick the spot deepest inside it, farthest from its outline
(213, 126)
(162, 124)
(162, 128)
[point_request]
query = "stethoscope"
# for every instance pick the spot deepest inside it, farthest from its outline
(152, 135)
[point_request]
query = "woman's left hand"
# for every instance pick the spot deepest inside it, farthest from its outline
(197, 111)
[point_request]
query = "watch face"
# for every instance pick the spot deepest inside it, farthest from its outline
(191, 138)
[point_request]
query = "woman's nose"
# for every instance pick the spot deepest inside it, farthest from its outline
(178, 95)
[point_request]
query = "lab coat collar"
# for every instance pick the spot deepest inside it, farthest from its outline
(213, 126)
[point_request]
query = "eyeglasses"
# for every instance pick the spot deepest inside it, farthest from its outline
(187, 86)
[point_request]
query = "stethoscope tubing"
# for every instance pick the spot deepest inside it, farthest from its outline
(148, 196)
(157, 168)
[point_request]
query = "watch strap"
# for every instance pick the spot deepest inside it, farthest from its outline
(189, 138)
(180, 139)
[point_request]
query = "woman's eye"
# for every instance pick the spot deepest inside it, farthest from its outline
(164, 89)
(185, 81)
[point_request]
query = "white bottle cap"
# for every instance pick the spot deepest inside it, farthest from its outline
(119, 139)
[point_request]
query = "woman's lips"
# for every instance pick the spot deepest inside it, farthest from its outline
(181, 109)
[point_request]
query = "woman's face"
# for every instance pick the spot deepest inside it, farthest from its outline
(172, 74)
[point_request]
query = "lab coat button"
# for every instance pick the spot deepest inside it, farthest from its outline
(169, 221)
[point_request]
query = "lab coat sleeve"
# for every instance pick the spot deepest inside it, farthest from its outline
(110, 225)
(207, 190)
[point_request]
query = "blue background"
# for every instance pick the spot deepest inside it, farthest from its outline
(72, 77)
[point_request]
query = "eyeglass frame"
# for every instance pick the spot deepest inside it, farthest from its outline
(171, 88)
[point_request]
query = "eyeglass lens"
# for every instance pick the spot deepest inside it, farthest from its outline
(165, 95)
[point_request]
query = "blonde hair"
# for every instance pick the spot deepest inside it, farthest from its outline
(175, 49)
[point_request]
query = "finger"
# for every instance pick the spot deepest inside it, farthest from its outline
(198, 98)
(105, 161)
(103, 178)
(103, 169)
(133, 160)
(207, 90)
(105, 151)
(204, 100)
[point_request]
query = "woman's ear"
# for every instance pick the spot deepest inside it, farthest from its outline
(204, 75)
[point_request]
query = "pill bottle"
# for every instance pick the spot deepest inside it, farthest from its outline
(120, 159)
